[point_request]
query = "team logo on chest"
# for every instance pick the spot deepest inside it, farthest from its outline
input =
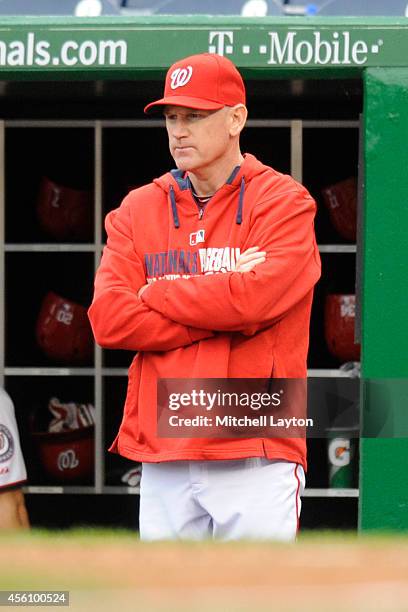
(6, 444)
(180, 77)
(184, 263)
(197, 237)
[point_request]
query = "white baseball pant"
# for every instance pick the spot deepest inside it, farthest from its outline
(255, 498)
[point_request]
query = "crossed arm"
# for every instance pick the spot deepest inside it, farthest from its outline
(263, 294)
(245, 263)
(119, 318)
(169, 314)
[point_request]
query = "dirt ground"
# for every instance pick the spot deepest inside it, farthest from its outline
(120, 573)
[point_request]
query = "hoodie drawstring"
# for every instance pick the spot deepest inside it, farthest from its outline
(240, 201)
(174, 208)
(239, 210)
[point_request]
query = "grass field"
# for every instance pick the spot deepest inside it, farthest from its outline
(112, 570)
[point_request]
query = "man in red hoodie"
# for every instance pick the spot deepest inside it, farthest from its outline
(208, 273)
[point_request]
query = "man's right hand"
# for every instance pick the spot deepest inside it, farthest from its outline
(249, 259)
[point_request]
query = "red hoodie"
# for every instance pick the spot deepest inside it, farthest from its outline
(201, 319)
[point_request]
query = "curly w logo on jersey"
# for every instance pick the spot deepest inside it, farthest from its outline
(180, 77)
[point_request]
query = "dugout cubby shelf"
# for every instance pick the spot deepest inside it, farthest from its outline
(120, 490)
(110, 157)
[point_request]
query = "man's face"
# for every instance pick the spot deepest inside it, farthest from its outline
(197, 138)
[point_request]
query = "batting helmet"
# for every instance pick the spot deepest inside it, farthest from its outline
(64, 213)
(341, 201)
(63, 330)
(67, 456)
(339, 325)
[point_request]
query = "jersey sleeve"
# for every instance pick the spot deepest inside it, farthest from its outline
(119, 318)
(246, 302)
(12, 466)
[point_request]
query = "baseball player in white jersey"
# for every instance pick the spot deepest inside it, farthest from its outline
(13, 512)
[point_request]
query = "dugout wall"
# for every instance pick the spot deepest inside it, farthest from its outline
(327, 101)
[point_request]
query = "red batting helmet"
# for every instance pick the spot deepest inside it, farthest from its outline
(64, 213)
(67, 456)
(339, 324)
(341, 200)
(63, 330)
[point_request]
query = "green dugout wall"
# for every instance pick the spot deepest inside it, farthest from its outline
(375, 50)
(383, 478)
